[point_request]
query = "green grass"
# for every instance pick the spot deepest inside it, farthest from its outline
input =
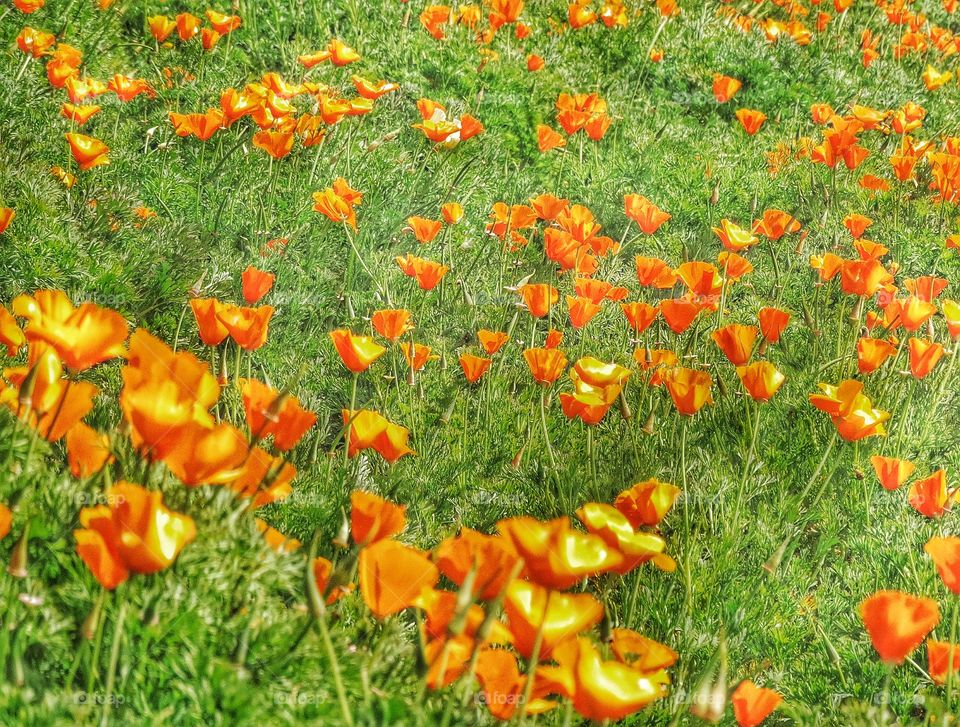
(210, 640)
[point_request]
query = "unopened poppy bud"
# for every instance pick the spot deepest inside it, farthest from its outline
(648, 426)
(721, 387)
(448, 413)
(90, 623)
(710, 695)
(715, 195)
(625, 408)
(518, 457)
(19, 560)
(773, 562)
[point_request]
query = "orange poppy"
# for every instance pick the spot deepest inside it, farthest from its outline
(423, 229)
(256, 283)
(200, 454)
(645, 213)
(371, 90)
(734, 237)
(689, 389)
(942, 657)
(872, 353)
(548, 139)
(640, 315)
(761, 379)
(945, 553)
(88, 451)
(898, 622)
(924, 355)
(582, 310)
(647, 503)
(636, 546)
(393, 576)
(474, 367)
(421, 355)
(275, 143)
(725, 87)
(929, 496)
(679, 313)
(6, 217)
(773, 322)
(503, 685)
(322, 572)
(655, 273)
(751, 120)
(161, 27)
(546, 364)
(78, 114)
(539, 298)
(135, 533)
(87, 151)
(558, 617)
(753, 704)
(556, 555)
(370, 430)
(606, 690)
(187, 26)
(392, 323)
(274, 413)
(492, 341)
(491, 559)
(203, 126)
(212, 331)
(851, 411)
(372, 518)
(356, 352)
(222, 23)
(248, 327)
(891, 471)
(775, 224)
(6, 520)
(736, 342)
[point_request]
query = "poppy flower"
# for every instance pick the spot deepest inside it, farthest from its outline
(248, 327)
(689, 389)
(503, 685)
(924, 355)
(392, 324)
(474, 367)
(35, 42)
(271, 412)
(492, 341)
(725, 87)
(872, 352)
(222, 23)
(135, 533)
(751, 120)
(335, 207)
(87, 450)
(392, 576)
(373, 91)
(654, 273)
(558, 616)
(640, 315)
(370, 430)
(775, 224)
(275, 143)
(548, 207)
(596, 382)
(6, 520)
(607, 690)
(942, 657)
(761, 379)
(736, 342)
(161, 27)
(857, 224)
(87, 151)
(951, 314)
(275, 539)
(891, 471)
(734, 266)
(322, 572)
(82, 337)
(773, 322)
(945, 553)
(372, 518)
(187, 26)
(581, 310)
(341, 54)
(256, 284)
(200, 454)
(851, 411)
(539, 298)
(78, 114)
(6, 217)
(679, 313)
(423, 229)
(646, 503)
(263, 478)
(212, 331)
(734, 237)
(898, 622)
(420, 356)
(753, 704)
(636, 546)
(929, 496)
(655, 359)
(645, 213)
(128, 88)
(203, 126)
(491, 559)
(548, 139)
(535, 63)
(356, 352)
(556, 555)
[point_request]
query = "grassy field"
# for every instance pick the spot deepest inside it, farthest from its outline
(781, 530)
